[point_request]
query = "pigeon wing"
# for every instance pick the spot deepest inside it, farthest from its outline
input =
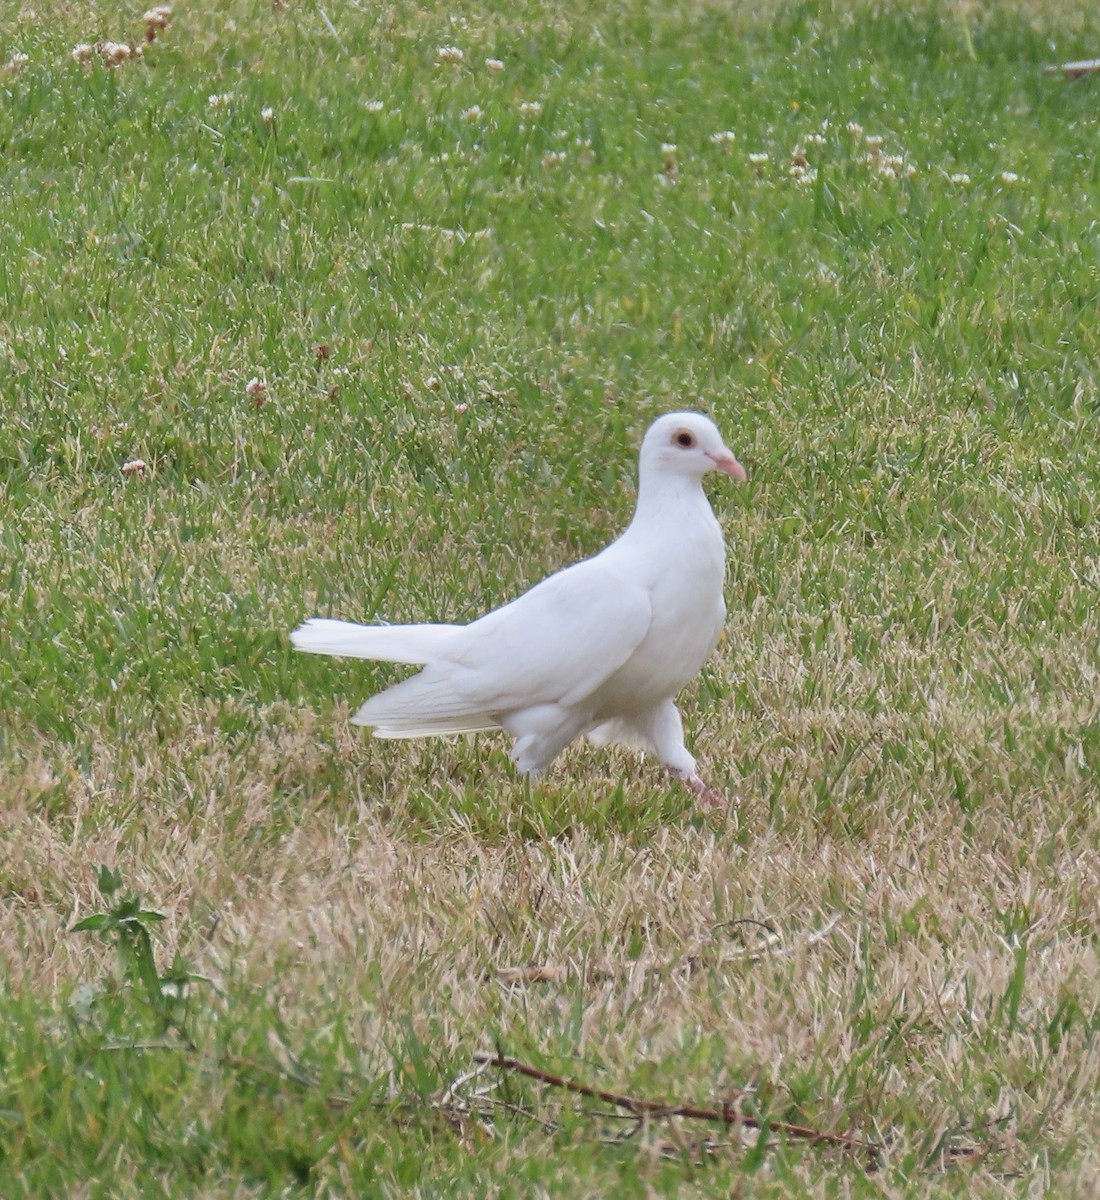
(561, 640)
(555, 644)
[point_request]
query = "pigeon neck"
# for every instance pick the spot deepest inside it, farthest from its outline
(668, 498)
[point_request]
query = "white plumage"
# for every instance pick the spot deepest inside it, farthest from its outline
(600, 648)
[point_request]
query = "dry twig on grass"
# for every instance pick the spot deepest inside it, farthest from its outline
(728, 1114)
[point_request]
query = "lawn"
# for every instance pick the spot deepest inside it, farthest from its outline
(361, 310)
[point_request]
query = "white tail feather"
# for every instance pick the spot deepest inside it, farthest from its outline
(386, 643)
(477, 723)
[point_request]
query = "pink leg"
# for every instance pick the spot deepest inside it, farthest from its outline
(707, 794)
(664, 733)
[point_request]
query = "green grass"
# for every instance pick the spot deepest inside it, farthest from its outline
(464, 321)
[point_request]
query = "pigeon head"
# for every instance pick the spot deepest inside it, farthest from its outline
(687, 443)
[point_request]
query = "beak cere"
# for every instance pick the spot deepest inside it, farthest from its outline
(728, 465)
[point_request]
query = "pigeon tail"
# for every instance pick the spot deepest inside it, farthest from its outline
(425, 727)
(417, 644)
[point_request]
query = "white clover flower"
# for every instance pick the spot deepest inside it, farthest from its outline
(267, 115)
(216, 100)
(530, 108)
(855, 129)
(874, 141)
(758, 158)
(893, 166)
(433, 383)
(84, 53)
(136, 466)
(724, 138)
(961, 178)
(815, 139)
(374, 107)
(256, 390)
(554, 158)
(449, 54)
(115, 53)
(494, 65)
(159, 17)
(17, 62)
(473, 113)
(1009, 177)
(668, 147)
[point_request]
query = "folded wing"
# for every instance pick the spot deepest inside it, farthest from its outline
(555, 644)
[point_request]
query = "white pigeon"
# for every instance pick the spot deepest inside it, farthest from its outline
(599, 648)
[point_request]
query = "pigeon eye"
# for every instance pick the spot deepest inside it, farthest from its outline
(684, 439)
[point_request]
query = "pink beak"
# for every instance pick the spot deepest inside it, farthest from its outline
(729, 465)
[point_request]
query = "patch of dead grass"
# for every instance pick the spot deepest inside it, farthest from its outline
(600, 947)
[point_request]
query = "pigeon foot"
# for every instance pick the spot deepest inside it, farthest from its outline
(707, 794)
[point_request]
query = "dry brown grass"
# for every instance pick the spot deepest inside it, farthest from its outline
(895, 923)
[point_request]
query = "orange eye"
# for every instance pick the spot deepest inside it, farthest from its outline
(684, 438)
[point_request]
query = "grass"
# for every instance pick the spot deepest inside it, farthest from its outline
(464, 312)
